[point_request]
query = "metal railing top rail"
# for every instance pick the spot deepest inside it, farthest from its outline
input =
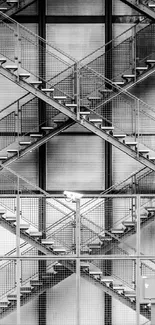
(3, 16)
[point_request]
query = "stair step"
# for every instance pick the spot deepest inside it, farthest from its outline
(48, 90)
(118, 83)
(12, 150)
(4, 304)
(134, 143)
(25, 143)
(13, 296)
(95, 272)
(71, 105)
(47, 128)
(11, 1)
(35, 234)
(129, 223)
(47, 242)
(48, 275)
(24, 226)
(152, 158)
(151, 5)
(105, 238)
(59, 97)
(26, 289)
(3, 9)
(11, 67)
(143, 151)
(103, 91)
(130, 293)
(119, 136)
(117, 231)
(36, 135)
(150, 61)
(118, 288)
(128, 76)
(58, 120)
(84, 265)
(107, 128)
(35, 82)
(143, 216)
(3, 158)
(11, 219)
(150, 209)
(107, 279)
(59, 250)
(94, 246)
(95, 120)
(94, 98)
(84, 113)
(34, 283)
(141, 68)
(2, 60)
(24, 75)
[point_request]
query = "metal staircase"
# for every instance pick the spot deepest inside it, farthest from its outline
(11, 7)
(32, 287)
(145, 7)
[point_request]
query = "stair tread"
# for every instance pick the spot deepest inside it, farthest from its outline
(119, 135)
(71, 105)
(95, 119)
(47, 127)
(35, 135)
(128, 76)
(131, 143)
(95, 272)
(143, 150)
(59, 97)
(3, 157)
(94, 98)
(37, 82)
(47, 242)
(25, 142)
(35, 233)
(47, 89)
(119, 230)
(130, 223)
(11, 67)
(118, 82)
(107, 127)
(141, 68)
(106, 279)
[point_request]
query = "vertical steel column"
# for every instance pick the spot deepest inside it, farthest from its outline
(78, 261)
(42, 155)
(108, 149)
(18, 272)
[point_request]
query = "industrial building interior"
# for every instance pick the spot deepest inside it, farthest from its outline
(77, 162)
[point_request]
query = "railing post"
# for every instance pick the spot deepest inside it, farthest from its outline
(77, 88)
(138, 271)
(17, 47)
(18, 271)
(78, 261)
(134, 54)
